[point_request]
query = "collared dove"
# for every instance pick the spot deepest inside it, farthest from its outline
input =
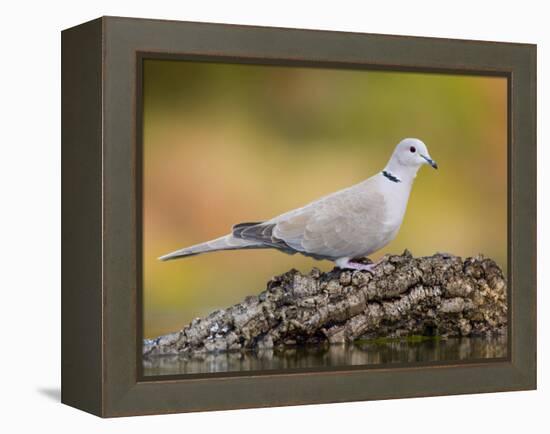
(351, 223)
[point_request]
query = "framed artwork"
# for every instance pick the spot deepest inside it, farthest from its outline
(259, 216)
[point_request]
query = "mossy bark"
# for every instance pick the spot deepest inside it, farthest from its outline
(436, 295)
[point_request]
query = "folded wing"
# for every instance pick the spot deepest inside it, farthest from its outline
(345, 225)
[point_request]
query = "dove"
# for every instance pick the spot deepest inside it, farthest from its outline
(341, 227)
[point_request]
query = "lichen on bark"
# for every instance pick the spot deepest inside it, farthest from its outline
(440, 295)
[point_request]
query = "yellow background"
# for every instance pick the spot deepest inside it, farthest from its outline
(226, 143)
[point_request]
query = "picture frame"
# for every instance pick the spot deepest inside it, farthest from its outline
(101, 219)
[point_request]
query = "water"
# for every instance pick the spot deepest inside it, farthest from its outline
(363, 353)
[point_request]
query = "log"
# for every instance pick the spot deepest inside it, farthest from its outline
(439, 295)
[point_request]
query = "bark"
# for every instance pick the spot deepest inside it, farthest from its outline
(437, 295)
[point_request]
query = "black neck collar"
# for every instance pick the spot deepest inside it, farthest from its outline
(391, 177)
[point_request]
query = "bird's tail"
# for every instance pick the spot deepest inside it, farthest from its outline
(227, 242)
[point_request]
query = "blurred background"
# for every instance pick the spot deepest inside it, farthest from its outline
(224, 143)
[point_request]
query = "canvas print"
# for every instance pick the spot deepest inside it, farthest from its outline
(308, 218)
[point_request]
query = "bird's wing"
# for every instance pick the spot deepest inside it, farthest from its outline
(347, 223)
(341, 225)
(260, 233)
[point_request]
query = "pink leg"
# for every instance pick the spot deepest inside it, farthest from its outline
(348, 264)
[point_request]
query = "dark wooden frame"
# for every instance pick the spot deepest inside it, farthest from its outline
(101, 227)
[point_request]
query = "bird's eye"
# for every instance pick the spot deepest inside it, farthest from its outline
(412, 149)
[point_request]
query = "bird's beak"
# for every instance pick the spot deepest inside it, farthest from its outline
(429, 161)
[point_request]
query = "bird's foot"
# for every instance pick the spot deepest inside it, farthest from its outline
(349, 264)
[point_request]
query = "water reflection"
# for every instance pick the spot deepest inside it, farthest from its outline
(360, 353)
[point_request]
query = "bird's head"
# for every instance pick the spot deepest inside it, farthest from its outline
(412, 153)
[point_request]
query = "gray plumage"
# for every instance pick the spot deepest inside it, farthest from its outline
(350, 223)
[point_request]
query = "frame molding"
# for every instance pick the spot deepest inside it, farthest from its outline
(101, 338)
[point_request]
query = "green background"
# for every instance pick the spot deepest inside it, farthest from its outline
(226, 143)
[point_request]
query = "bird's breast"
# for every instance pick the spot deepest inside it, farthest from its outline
(396, 200)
